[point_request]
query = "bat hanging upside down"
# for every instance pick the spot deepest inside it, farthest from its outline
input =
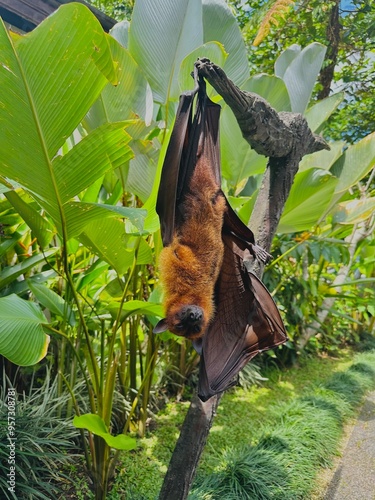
(210, 296)
(191, 264)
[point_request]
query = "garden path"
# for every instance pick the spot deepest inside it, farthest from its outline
(354, 476)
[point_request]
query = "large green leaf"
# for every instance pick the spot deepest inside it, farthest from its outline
(39, 225)
(318, 114)
(97, 269)
(246, 209)
(238, 160)
(52, 301)
(323, 159)
(299, 68)
(152, 220)
(120, 32)
(22, 339)
(133, 307)
(162, 33)
(219, 24)
(130, 98)
(271, 88)
(20, 287)
(108, 239)
(55, 73)
(9, 243)
(53, 76)
(142, 169)
(96, 425)
(10, 273)
(308, 199)
(355, 163)
(81, 214)
(105, 148)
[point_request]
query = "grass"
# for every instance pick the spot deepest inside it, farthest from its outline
(266, 442)
(283, 458)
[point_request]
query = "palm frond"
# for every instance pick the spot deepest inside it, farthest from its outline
(278, 9)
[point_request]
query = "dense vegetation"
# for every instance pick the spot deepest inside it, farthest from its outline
(87, 119)
(345, 27)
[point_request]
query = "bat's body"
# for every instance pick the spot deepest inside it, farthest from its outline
(210, 297)
(191, 264)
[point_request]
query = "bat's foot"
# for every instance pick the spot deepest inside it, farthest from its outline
(205, 67)
(260, 254)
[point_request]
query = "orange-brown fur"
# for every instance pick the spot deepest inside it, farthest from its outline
(191, 264)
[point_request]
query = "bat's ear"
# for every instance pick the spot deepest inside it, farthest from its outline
(198, 345)
(161, 326)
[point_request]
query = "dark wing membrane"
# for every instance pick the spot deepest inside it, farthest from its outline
(171, 172)
(270, 310)
(207, 128)
(247, 322)
(192, 139)
(234, 225)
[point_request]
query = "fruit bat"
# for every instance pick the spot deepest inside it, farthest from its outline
(209, 295)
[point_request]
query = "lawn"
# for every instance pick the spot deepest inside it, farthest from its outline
(285, 429)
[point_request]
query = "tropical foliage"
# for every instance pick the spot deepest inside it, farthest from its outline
(347, 28)
(86, 119)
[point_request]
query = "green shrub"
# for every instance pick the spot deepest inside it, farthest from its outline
(245, 473)
(45, 444)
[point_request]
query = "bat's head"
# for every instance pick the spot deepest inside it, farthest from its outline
(188, 321)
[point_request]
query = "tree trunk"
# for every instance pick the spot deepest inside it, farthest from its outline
(333, 34)
(285, 138)
(189, 447)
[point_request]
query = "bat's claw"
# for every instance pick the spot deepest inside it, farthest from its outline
(260, 254)
(205, 67)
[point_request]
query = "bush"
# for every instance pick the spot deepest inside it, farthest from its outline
(45, 444)
(246, 473)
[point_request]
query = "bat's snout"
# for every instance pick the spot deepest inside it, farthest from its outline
(191, 319)
(192, 314)
(188, 321)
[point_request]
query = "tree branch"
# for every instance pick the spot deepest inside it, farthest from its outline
(268, 132)
(333, 35)
(189, 447)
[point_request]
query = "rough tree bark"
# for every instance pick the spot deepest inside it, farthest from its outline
(285, 138)
(333, 35)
